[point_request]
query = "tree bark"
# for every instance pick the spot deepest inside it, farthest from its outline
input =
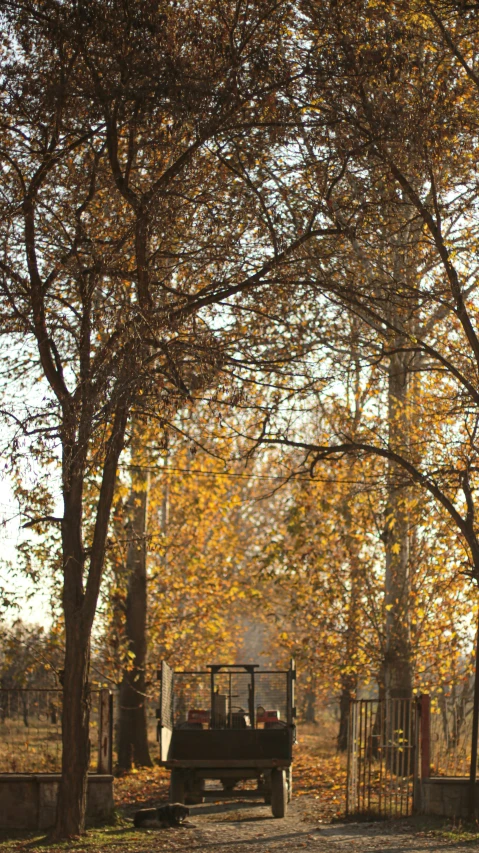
(397, 667)
(133, 726)
(75, 730)
(348, 692)
(79, 606)
(349, 679)
(310, 706)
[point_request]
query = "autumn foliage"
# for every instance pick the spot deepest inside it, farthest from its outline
(238, 299)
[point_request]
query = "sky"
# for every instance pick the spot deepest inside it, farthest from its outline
(33, 604)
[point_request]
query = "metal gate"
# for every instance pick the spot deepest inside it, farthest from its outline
(383, 749)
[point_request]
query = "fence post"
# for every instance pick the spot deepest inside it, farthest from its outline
(425, 714)
(105, 730)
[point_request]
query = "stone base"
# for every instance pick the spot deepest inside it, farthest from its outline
(29, 800)
(447, 796)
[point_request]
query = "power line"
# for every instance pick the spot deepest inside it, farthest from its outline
(284, 477)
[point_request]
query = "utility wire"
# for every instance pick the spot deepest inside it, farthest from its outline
(284, 477)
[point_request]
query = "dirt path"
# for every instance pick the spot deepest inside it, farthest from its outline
(244, 828)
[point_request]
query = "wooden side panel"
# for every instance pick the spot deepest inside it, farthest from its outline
(224, 744)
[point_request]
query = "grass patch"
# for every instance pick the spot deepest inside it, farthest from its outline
(122, 837)
(456, 830)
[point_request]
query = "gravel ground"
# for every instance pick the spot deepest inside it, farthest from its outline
(244, 828)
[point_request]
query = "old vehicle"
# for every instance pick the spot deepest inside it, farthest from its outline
(228, 723)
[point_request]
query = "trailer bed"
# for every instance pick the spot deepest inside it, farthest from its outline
(224, 745)
(230, 722)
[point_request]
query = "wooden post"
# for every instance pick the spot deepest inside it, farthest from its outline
(105, 730)
(425, 714)
(475, 732)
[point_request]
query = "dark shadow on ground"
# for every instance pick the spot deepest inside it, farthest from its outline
(219, 808)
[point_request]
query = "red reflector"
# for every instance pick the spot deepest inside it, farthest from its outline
(195, 715)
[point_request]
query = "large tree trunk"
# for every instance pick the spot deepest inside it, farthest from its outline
(79, 606)
(75, 732)
(133, 727)
(76, 699)
(349, 678)
(397, 668)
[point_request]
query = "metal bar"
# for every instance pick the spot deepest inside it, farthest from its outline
(192, 672)
(360, 753)
(413, 753)
(110, 757)
(218, 763)
(348, 757)
(411, 758)
(405, 746)
(390, 707)
(208, 672)
(425, 736)
(355, 756)
(384, 736)
(396, 750)
(238, 794)
(252, 710)
(213, 710)
(380, 755)
(405, 763)
(246, 666)
(370, 753)
(364, 752)
(400, 755)
(416, 796)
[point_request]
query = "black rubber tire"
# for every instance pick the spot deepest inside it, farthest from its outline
(194, 791)
(177, 787)
(279, 793)
(264, 787)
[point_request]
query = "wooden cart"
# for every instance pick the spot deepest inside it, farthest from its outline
(228, 723)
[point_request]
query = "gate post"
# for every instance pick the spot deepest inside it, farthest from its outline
(425, 716)
(348, 759)
(105, 732)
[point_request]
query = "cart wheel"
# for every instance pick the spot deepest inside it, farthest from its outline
(264, 787)
(289, 782)
(279, 792)
(194, 791)
(177, 787)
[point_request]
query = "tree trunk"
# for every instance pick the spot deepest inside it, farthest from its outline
(133, 727)
(348, 692)
(75, 732)
(310, 706)
(349, 678)
(79, 607)
(397, 668)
